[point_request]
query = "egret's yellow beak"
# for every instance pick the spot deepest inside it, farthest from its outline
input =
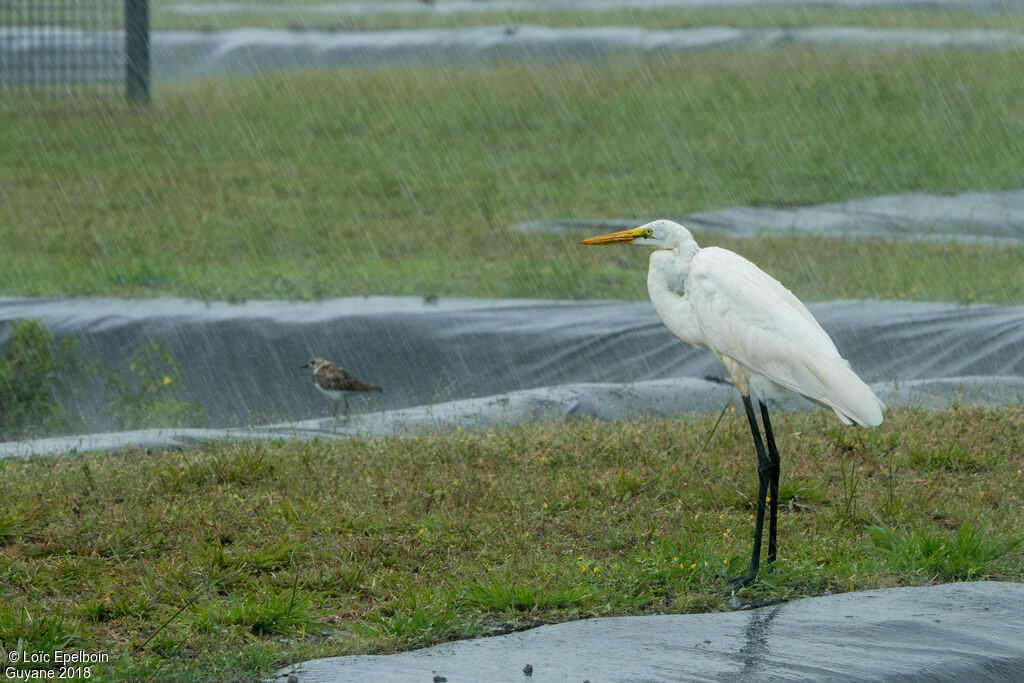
(624, 237)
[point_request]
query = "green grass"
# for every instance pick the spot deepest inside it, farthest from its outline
(212, 563)
(404, 180)
(962, 556)
(667, 18)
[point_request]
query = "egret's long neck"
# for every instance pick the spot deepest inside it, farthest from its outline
(666, 278)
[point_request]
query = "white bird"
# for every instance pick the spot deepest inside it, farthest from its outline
(765, 337)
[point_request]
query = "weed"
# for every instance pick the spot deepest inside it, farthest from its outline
(109, 606)
(38, 375)
(15, 526)
(507, 594)
(964, 555)
(279, 614)
(144, 396)
(950, 456)
(411, 625)
(22, 629)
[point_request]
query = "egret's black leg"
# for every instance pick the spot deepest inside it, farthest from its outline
(763, 476)
(335, 409)
(773, 490)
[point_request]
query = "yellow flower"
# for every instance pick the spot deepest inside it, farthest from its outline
(596, 568)
(545, 504)
(693, 566)
(167, 380)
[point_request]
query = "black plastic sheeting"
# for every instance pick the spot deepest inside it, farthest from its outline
(970, 218)
(952, 632)
(477, 363)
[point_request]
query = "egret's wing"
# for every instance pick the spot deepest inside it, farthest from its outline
(749, 316)
(747, 313)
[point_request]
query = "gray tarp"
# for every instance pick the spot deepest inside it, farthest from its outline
(192, 54)
(479, 6)
(953, 632)
(484, 362)
(970, 217)
(197, 54)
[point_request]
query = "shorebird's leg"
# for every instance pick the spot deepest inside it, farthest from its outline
(773, 489)
(763, 469)
(346, 406)
(335, 414)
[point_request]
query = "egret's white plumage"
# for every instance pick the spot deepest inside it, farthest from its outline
(765, 337)
(763, 334)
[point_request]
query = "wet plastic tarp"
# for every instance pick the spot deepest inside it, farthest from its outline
(970, 217)
(953, 632)
(470, 363)
(192, 54)
(478, 6)
(245, 51)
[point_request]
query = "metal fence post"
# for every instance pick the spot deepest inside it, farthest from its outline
(136, 49)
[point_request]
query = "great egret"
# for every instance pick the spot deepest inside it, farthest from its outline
(336, 382)
(763, 334)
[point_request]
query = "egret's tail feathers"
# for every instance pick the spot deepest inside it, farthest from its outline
(851, 398)
(832, 383)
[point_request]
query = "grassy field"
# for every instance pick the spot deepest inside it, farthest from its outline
(404, 180)
(222, 562)
(166, 17)
(242, 557)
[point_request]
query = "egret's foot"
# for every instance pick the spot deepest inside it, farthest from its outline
(741, 581)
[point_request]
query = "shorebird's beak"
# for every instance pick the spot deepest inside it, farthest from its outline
(303, 367)
(624, 237)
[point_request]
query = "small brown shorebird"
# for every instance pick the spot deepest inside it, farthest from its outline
(337, 382)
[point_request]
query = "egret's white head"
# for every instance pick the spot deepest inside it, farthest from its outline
(660, 234)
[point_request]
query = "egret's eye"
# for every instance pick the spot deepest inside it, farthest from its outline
(648, 233)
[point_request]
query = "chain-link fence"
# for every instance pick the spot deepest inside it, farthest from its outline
(58, 45)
